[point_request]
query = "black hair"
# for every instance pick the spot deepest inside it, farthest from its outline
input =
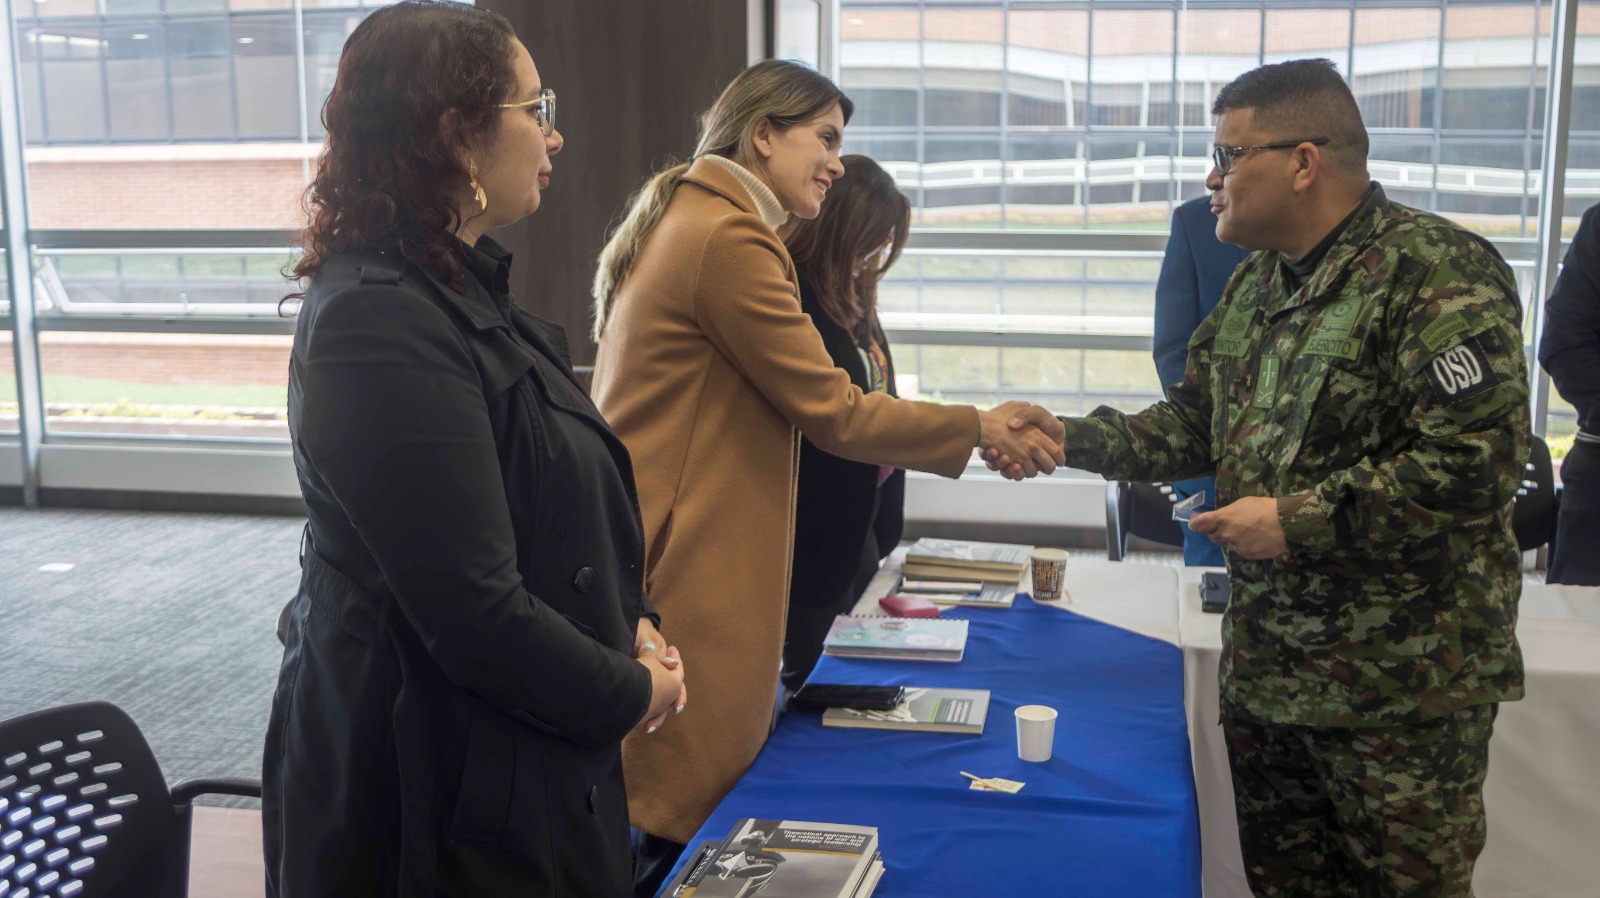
(1299, 100)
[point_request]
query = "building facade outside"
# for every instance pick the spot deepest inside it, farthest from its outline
(998, 118)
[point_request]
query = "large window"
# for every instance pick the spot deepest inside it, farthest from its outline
(168, 143)
(1045, 144)
(1582, 186)
(178, 70)
(800, 31)
(8, 362)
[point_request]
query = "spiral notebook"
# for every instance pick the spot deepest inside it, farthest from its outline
(898, 638)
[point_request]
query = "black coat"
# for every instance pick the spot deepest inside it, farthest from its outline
(844, 522)
(458, 675)
(1570, 350)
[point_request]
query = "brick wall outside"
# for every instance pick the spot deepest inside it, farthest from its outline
(223, 193)
(217, 359)
(163, 359)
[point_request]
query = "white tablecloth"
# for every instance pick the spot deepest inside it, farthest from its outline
(1135, 597)
(1542, 796)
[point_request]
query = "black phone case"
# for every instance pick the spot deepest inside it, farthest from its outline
(863, 698)
(1214, 592)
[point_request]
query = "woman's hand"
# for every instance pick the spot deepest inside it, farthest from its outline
(667, 691)
(1025, 452)
(646, 638)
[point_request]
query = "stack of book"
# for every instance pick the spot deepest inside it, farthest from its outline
(958, 572)
(967, 562)
(959, 592)
(897, 638)
(783, 859)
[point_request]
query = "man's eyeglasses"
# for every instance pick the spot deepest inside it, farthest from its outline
(544, 109)
(1222, 157)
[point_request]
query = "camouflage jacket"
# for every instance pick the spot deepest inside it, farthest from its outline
(1384, 405)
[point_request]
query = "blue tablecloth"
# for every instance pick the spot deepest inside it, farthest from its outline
(1111, 815)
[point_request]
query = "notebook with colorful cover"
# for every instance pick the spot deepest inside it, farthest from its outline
(899, 638)
(924, 709)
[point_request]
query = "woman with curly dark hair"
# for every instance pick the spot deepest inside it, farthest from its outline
(471, 640)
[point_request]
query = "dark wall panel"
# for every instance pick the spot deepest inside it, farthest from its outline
(631, 76)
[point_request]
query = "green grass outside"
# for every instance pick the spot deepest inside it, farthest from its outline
(120, 398)
(942, 368)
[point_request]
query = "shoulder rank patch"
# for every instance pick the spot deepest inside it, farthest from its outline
(1461, 372)
(1443, 330)
(1230, 339)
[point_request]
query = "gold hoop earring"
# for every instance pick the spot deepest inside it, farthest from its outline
(477, 189)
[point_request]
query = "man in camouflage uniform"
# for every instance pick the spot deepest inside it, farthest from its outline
(1361, 394)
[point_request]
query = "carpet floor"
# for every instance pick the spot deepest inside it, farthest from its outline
(170, 616)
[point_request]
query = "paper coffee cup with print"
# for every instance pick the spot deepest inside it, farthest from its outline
(1049, 574)
(1036, 732)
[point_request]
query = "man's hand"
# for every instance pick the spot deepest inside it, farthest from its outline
(1249, 528)
(1028, 450)
(1026, 417)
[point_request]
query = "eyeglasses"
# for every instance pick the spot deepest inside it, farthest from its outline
(1222, 157)
(544, 108)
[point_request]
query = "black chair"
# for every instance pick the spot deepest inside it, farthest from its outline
(85, 812)
(1143, 509)
(1533, 512)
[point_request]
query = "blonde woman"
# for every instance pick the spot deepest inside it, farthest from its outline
(709, 371)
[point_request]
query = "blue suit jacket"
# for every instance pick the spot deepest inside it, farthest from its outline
(1193, 275)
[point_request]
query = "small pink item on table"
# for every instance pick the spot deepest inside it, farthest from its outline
(909, 606)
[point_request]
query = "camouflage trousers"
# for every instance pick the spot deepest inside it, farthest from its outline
(1393, 811)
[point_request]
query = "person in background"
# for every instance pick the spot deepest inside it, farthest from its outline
(1362, 396)
(710, 372)
(1570, 351)
(848, 515)
(471, 639)
(1194, 272)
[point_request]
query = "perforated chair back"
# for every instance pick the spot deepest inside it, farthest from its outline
(85, 811)
(83, 807)
(1533, 512)
(1142, 509)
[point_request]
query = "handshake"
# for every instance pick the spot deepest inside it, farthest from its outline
(1021, 440)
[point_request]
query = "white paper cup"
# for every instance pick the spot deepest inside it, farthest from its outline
(1049, 574)
(1036, 732)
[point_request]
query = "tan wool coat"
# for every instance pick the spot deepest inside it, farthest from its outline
(709, 371)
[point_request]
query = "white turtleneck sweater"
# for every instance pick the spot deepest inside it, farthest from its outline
(766, 201)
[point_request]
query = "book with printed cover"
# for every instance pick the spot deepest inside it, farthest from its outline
(998, 558)
(922, 571)
(679, 885)
(993, 594)
(897, 638)
(924, 710)
(869, 883)
(786, 859)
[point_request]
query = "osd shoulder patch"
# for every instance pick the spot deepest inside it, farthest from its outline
(1461, 372)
